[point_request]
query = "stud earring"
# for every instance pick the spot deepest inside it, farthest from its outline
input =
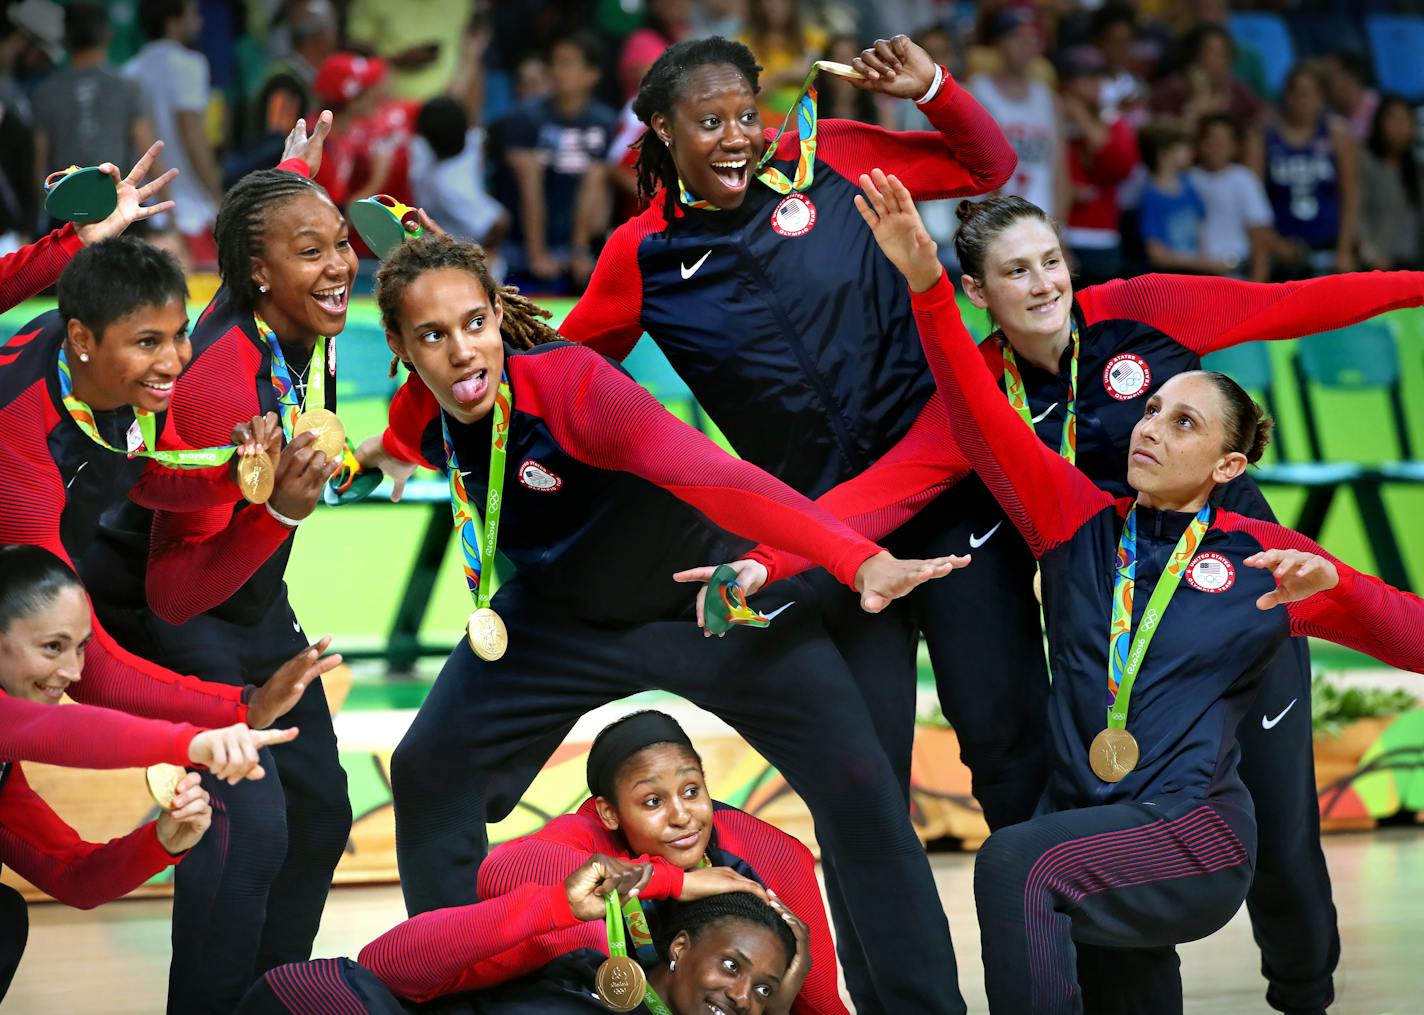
(83, 357)
(262, 288)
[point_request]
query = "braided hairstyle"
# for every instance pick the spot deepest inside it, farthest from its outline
(661, 88)
(523, 324)
(696, 917)
(242, 225)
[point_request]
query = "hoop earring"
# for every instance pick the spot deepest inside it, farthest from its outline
(672, 966)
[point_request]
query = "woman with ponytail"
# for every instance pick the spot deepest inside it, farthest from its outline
(605, 495)
(1166, 599)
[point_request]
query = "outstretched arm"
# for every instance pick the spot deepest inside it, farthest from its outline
(1205, 314)
(1047, 499)
(82, 736)
(1327, 598)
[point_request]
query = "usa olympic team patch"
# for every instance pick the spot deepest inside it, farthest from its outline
(534, 476)
(1126, 376)
(794, 216)
(1211, 572)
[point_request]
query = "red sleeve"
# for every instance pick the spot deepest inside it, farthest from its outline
(46, 852)
(31, 270)
(606, 419)
(295, 166)
(966, 154)
(555, 851)
(81, 736)
(217, 392)
(787, 867)
(922, 465)
(31, 500)
(447, 951)
(226, 548)
(162, 488)
(1361, 612)
(1047, 499)
(1205, 313)
(411, 411)
(608, 316)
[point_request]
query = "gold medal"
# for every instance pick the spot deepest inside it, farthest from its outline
(621, 983)
(163, 783)
(256, 477)
(1038, 586)
(843, 70)
(1113, 754)
(330, 434)
(488, 635)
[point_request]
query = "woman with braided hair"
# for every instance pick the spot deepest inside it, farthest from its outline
(600, 506)
(250, 896)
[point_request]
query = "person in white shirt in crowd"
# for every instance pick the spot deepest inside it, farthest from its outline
(447, 175)
(1239, 229)
(174, 80)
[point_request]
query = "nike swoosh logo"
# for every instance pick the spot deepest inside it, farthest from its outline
(779, 610)
(977, 541)
(687, 272)
(297, 626)
(1040, 417)
(1267, 724)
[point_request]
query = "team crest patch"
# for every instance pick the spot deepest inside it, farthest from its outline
(794, 216)
(1210, 572)
(536, 477)
(1126, 376)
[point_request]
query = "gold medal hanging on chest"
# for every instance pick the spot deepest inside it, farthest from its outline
(1112, 754)
(330, 434)
(487, 633)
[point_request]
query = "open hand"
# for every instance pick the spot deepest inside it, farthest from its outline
(308, 147)
(132, 193)
(891, 214)
(1299, 575)
(587, 886)
(285, 688)
(895, 66)
(180, 827)
(372, 454)
(701, 882)
(751, 576)
(800, 967)
(884, 578)
(231, 752)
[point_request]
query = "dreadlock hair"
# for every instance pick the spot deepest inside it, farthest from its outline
(696, 917)
(661, 88)
(242, 224)
(523, 324)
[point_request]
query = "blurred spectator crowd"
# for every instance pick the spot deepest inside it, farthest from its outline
(1266, 140)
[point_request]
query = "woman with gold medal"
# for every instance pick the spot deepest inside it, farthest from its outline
(597, 500)
(1162, 611)
(252, 897)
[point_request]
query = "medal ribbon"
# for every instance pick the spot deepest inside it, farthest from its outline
(479, 550)
(805, 112)
(617, 947)
(1125, 649)
(638, 929)
(83, 416)
(282, 376)
(1014, 387)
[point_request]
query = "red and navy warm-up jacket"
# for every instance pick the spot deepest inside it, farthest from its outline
(599, 481)
(148, 558)
(57, 482)
(35, 841)
(32, 269)
(1134, 335)
(1201, 671)
(782, 316)
(444, 955)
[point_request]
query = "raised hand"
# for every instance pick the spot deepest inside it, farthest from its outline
(1299, 575)
(751, 576)
(587, 886)
(704, 881)
(890, 213)
(800, 967)
(895, 66)
(884, 578)
(180, 827)
(301, 474)
(284, 688)
(132, 193)
(308, 147)
(231, 752)
(372, 454)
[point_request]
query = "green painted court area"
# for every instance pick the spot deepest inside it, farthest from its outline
(350, 564)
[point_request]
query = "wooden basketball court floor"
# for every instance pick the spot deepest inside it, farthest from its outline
(114, 960)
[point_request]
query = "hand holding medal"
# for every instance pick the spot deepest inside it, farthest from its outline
(896, 66)
(187, 811)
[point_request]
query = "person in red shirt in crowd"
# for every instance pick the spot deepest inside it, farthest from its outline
(368, 150)
(1101, 153)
